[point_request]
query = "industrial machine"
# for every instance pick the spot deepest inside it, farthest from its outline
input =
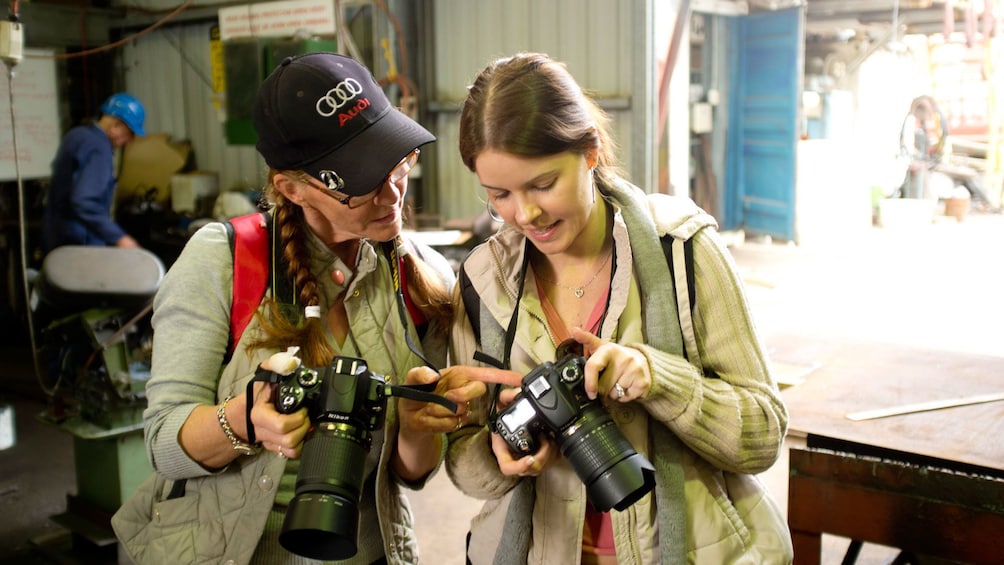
(93, 307)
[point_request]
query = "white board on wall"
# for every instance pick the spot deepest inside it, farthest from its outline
(36, 116)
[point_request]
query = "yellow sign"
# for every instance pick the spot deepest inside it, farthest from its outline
(216, 64)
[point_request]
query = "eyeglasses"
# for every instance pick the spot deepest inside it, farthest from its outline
(396, 175)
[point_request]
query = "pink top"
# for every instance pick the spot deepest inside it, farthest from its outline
(598, 532)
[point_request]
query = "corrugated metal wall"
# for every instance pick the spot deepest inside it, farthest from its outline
(170, 71)
(606, 45)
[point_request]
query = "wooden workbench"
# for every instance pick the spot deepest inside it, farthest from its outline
(929, 483)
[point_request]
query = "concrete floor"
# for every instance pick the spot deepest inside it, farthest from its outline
(934, 286)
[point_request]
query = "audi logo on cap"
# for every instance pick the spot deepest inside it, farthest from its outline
(339, 96)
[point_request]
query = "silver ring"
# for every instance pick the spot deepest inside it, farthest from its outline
(619, 389)
(460, 422)
(279, 452)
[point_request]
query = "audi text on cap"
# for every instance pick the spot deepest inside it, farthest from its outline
(325, 112)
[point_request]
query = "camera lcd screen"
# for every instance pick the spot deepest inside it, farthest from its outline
(522, 413)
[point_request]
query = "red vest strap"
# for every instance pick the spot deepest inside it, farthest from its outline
(251, 268)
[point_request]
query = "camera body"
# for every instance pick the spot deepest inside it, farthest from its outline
(550, 400)
(329, 396)
(345, 402)
(553, 400)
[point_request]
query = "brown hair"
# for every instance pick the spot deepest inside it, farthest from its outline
(530, 105)
(283, 329)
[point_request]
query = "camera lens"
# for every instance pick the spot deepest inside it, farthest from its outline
(615, 475)
(322, 520)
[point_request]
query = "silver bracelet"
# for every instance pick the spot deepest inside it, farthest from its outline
(241, 447)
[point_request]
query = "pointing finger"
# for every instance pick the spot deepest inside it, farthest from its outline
(484, 374)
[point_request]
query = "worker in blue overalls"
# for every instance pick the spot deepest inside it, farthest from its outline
(78, 209)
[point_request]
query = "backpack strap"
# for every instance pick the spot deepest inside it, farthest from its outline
(472, 301)
(249, 243)
(494, 342)
(680, 257)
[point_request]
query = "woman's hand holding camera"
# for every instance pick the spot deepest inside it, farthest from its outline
(429, 417)
(620, 372)
(528, 465)
(279, 433)
(465, 383)
(459, 384)
(420, 423)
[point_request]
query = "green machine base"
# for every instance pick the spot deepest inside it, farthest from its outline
(110, 464)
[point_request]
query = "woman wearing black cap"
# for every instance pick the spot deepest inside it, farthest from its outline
(339, 157)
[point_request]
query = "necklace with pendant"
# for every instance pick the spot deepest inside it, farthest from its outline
(580, 290)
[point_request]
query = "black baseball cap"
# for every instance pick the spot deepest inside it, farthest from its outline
(326, 112)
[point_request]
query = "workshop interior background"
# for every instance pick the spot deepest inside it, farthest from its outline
(791, 121)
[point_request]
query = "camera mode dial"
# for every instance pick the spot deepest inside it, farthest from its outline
(307, 378)
(571, 373)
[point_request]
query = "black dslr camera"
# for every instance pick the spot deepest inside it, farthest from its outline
(553, 400)
(345, 402)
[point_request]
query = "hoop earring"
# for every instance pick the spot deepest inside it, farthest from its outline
(492, 213)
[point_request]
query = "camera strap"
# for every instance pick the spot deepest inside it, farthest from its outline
(390, 248)
(420, 392)
(510, 335)
(260, 375)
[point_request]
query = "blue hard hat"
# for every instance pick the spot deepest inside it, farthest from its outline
(126, 108)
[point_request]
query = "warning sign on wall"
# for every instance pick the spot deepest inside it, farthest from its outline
(278, 19)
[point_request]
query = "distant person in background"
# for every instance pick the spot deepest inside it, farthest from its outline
(78, 208)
